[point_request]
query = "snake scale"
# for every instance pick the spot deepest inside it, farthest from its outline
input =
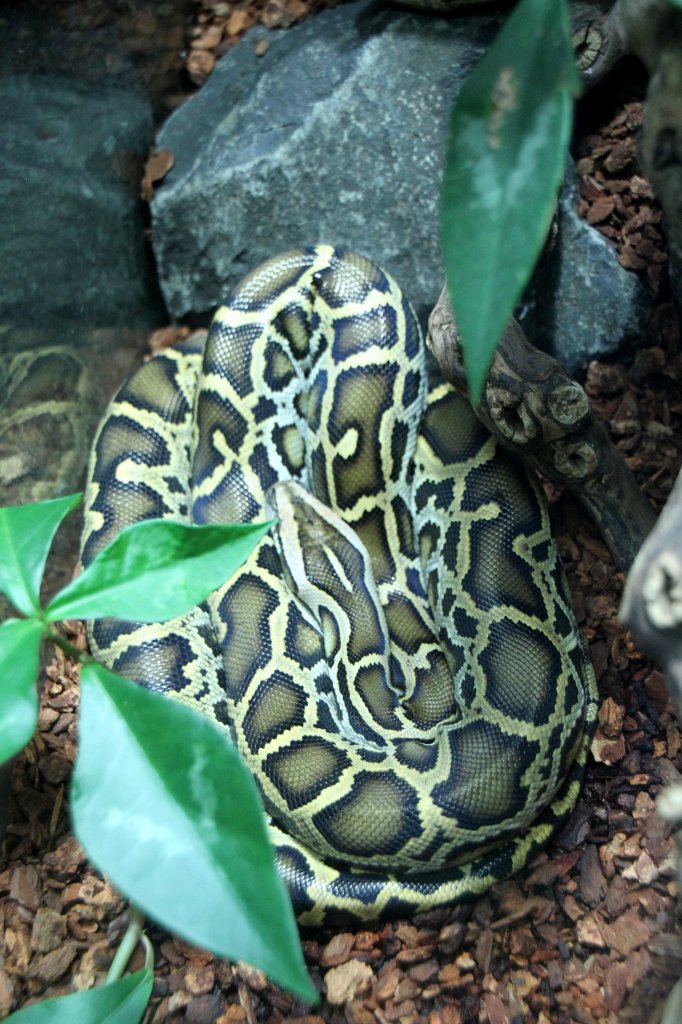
(397, 662)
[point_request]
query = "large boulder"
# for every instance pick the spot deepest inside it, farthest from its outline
(336, 133)
(75, 130)
(581, 303)
(73, 251)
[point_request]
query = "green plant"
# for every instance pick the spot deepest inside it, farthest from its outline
(174, 819)
(506, 154)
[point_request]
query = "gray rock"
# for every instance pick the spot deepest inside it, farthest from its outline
(581, 304)
(336, 134)
(73, 249)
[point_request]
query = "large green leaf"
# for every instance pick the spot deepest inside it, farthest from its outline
(19, 660)
(118, 1002)
(505, 159)
(165, 807)
(156, 570)
(26, 533)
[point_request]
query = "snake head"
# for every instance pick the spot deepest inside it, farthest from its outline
(323, 560)
(309, 536)
(300, 533)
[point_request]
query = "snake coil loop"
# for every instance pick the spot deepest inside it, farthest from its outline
(418, 706)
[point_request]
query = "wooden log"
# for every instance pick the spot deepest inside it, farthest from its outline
(536, 410)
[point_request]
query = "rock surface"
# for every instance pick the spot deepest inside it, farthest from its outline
(334, 134)
(582, 304)
(67, 204)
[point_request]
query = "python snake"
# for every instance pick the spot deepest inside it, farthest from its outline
(45, 422)
(397, 662)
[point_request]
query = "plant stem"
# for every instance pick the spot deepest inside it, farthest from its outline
(73, 652)
(133, 933)
(130, 939)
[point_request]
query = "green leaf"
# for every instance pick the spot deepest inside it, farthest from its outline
(19, 660)
(118, 1002)
(26, 533)
(165, 807)
(155, 570)
(505, 159)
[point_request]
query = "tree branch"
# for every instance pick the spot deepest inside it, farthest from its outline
(536, 410)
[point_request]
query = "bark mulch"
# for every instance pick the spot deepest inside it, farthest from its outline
(587, 933)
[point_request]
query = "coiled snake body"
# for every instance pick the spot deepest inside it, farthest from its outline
(397, 662)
